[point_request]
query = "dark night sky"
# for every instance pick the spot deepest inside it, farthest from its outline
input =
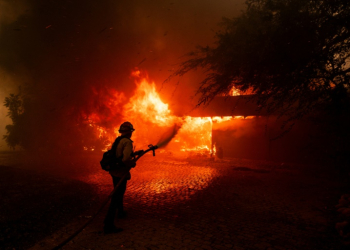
(60, 49)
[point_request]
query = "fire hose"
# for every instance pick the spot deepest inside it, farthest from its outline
(142, 153)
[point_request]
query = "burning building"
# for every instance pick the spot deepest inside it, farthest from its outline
(73, 60)
(231, 125)
(152, 118)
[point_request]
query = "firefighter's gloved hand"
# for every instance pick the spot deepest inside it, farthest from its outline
(139, 152)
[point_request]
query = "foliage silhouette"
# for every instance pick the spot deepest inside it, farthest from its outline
(14, 103)
(33, 129)
(292, 54)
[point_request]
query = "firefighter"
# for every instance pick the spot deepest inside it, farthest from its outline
(124, 150)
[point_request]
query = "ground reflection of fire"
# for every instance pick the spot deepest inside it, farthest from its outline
(161, 182)
(152, 117)
(160, 177)
(154, 177)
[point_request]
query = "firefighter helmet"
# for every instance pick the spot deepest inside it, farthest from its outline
(126, 127)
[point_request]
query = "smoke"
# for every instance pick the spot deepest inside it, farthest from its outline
(11, 11)
(71, 56)
(237, 128)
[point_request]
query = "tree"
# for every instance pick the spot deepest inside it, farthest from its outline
(292, 54)
(35, 128)
(15, 105)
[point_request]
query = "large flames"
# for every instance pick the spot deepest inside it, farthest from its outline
(146, 104)
(152, 118)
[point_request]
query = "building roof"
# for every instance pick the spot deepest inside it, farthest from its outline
(228, 106)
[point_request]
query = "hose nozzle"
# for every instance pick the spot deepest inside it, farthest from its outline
(153, 148)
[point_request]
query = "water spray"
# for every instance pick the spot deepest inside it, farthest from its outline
(168, 136)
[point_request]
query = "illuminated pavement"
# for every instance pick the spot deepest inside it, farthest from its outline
(198, 204)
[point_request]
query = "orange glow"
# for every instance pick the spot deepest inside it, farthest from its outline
(194, 136)
(148, 181)
(222, 119)
(152, 117)
(110, 106)
(234, 92)
(147, 105)
(163, 182)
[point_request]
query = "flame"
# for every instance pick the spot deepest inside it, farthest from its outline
(222, 119)
(219, 119)
(152, 117)
(102, 116)
(147, 105)
(194, 136)
(214, 149)
(234, 92)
